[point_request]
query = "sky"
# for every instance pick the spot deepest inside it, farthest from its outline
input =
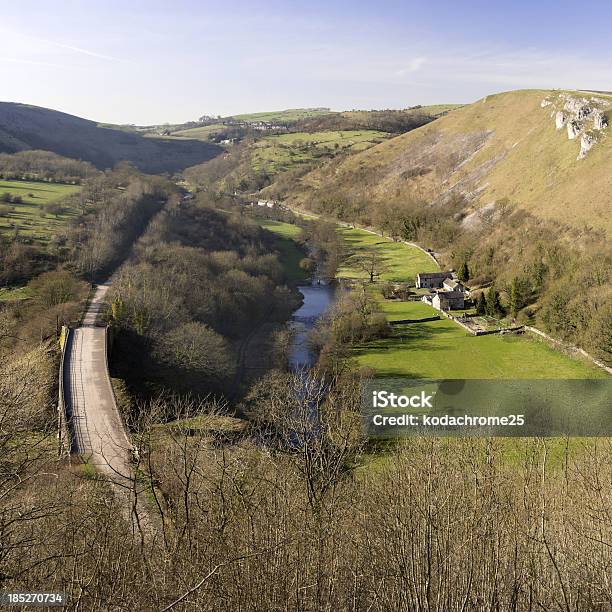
(150, 62)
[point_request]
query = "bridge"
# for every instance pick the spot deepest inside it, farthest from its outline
(95, 426)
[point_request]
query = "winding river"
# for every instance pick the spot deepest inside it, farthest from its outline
(318, 297)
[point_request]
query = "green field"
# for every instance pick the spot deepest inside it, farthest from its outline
(200, 133)
(291, 114)
(285, 151)
(28, 218)
(290, 253)
(442, 349)
(396, 310)
(402, 261)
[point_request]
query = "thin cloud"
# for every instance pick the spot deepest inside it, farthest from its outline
(84, 51)
(414, 65)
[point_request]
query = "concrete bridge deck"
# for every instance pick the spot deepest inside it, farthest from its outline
(96, 427)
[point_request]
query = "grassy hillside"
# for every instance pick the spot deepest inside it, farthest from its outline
(274, 154)
(313, 122)
(200, 133)
(402, 263)
(24, 127)
(503, 146)
(292, 114)
(28, 216)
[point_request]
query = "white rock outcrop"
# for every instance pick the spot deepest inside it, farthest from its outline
(586, 143)
(600, 122)
(573, 104)
(560, 119)
(573, 129)
(580, 116)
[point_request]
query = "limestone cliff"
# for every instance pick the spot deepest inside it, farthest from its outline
(582, 116)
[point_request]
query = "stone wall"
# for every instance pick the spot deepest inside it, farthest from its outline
(568, 347)
(63, 434)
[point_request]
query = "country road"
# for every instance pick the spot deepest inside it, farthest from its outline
(98, 433)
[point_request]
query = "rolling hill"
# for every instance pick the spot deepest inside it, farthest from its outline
(283, 116)
(516, 186)
(505, 147)
(24, 127)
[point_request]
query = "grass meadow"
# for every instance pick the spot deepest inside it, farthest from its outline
(286, 151)
(402, 261)
(291, 114)
(442, 349)
(28, 217)
(290, 253)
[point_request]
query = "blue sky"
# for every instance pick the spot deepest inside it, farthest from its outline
(152, 62)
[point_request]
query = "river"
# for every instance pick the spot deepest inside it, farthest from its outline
(317, 299)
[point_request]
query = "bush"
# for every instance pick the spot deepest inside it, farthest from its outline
(58, 287)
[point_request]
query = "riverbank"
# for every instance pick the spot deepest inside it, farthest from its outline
(317, 296)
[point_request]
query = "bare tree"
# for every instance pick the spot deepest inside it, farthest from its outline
(371, 261)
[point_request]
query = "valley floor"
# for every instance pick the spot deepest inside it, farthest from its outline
(442, 349)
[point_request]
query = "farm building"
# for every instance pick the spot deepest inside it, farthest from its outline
(448, 300)
(450, 284)
(432, 280)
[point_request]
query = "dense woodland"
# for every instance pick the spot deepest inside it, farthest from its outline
(434, 524)
(199, 285)
(393, 121)
(44, 165)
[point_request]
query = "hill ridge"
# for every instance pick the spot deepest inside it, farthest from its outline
(25, 127)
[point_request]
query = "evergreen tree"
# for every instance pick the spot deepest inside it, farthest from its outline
(481, 305)
(518, 295)
(493, 306)
(464, 272)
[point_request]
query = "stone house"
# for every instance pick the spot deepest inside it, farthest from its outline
(448, 300)
(432, 280)
(451, 284)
